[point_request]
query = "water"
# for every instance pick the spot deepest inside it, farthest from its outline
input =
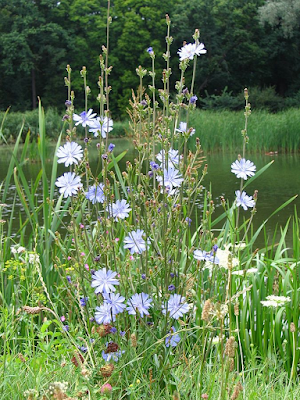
(275, 186)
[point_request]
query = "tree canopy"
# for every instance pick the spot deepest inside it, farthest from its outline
(249, 43)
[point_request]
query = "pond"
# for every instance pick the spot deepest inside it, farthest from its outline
(276, 185)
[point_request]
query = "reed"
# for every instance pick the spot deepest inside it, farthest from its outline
(221, 131)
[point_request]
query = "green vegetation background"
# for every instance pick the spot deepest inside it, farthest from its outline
(39, 38)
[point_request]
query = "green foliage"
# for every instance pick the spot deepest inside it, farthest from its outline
(281, 13)
(38, 40)
(34, 45)
(29, 122)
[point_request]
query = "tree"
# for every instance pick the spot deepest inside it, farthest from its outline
(33, 47)
(231, 33)
(281, 13)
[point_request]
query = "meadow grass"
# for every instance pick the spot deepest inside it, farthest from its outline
(109, 287)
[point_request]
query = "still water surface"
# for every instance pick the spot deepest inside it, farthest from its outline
(275, 186)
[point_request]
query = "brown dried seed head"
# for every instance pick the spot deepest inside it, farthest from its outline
(107, 370)
(133, 340)
(292, 327)
(206, 310)
(236, 309)
(32, 310)
(237, 390)
(77, 359)
(231, 364)
(21, 357)
(112, 348)
(103, 330)
(176, 395)
(230, 347)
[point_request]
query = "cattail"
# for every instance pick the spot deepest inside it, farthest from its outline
(237, 390)
(107, 370)
(230, 347)
(206, 310)
(133, 340)
(292, 327)
(32, 310)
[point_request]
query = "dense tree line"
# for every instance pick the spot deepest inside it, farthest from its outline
(249, 43)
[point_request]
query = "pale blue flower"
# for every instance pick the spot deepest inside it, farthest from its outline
(206, 256)
(172, 340)
(242, 199)
(112, 356)
(176, 306)
(150, 50)
(110, 148)
(193, 99)
(83, 301)
(154, 166)
(184, 129)
(190, 50)
(171, 179)
(243, 169)
(68, 184)
(173, 158)
(101, 125)
(104, 281)
(104, 315)
(135, 242)
(85, 118)
(69, 154)
(141, 302)
(119, 210)
(95, 194)
(115, 301)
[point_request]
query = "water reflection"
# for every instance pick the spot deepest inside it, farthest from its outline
(275, 186)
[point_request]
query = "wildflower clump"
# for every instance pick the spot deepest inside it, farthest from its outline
(148, 283)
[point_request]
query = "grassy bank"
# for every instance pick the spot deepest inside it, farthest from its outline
(268, 132)
(218, 131)
(29, 121)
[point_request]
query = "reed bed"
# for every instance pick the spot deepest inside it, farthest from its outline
(221, 131)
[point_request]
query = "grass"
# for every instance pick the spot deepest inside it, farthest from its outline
(263, 382)
(217, 130)
(221, 131)
(29, 122)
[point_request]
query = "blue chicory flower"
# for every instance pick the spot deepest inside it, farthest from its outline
(115, 301)
(135, 242)
(95, 193)
(69, 154)
(110, 148)
(141, 302)
(83, 301)
(172, 340)
(176, 306)
(193, 99)
(68, 184)
(104, 281)
(242, 199)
